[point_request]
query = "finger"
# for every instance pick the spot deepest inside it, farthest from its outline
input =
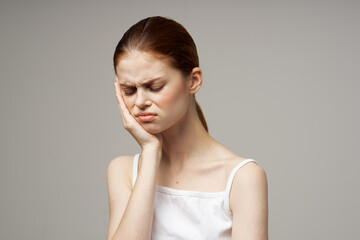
(117, 89)
(119, 95)
(119, 100)
(123, 108)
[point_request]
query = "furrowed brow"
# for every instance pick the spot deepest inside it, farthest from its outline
(146, 82)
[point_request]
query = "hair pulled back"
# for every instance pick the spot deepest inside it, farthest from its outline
(165, 38)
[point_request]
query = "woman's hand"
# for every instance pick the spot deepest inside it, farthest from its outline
(143, 137)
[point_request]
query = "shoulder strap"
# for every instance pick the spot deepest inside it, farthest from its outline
(233, 172)
(231, 178)
(135, 168)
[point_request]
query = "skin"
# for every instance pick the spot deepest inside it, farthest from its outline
(189, 158)
(184, 138)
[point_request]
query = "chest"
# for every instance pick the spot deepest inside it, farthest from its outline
(210, 177)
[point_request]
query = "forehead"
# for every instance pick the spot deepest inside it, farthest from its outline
(137, 67)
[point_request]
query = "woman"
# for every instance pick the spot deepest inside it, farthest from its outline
(184, 184)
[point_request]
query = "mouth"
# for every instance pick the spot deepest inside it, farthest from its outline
(146, 117)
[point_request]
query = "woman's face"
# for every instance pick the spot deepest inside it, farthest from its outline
(150, 85)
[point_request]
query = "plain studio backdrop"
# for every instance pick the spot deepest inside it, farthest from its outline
(280, 85)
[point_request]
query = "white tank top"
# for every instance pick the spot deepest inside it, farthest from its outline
(191, 215)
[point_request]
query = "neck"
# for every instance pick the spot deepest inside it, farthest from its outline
(185, 142)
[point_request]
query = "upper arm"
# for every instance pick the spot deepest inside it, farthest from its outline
(249, 203)
(119, 190)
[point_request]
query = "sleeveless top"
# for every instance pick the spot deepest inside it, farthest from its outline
(189, 215)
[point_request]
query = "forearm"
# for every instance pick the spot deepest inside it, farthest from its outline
(137, 219)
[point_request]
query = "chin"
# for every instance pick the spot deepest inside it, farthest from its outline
(153, 129)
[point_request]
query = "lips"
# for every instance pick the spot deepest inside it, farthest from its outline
(146, 116)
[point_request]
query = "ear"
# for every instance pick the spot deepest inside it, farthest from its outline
(195, 80)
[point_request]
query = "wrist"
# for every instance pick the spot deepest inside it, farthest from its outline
(152, 148)
(152, 156)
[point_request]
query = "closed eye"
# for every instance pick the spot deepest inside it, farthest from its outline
(156, 89)
(131, 91)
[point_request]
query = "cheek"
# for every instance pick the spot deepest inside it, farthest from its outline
(129, 102)
(173, 101)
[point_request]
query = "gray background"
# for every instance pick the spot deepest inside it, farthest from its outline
(281, 85)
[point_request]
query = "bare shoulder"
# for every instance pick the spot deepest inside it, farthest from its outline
(249, 202)
(249, 170)
(250, 180)
(120, 169)
(119, 173)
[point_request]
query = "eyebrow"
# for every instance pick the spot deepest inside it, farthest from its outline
(146, 82)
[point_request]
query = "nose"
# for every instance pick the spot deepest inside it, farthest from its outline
(142, 100)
